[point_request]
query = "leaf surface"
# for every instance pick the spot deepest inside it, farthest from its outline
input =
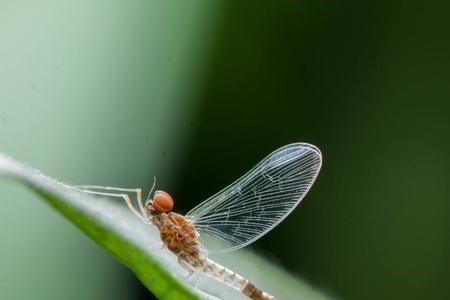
(137, 245)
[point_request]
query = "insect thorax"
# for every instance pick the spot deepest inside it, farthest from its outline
(177, 233)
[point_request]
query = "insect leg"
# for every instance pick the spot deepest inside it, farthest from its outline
(191, 271)
(109, 188)
(123, 196)
(188, 268)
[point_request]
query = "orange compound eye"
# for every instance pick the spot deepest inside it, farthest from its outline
(162, 202)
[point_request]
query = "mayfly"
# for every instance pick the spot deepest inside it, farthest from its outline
(234, 217)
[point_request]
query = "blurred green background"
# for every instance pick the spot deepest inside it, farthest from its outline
(195, 93)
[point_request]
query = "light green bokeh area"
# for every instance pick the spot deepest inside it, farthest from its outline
(91, 92)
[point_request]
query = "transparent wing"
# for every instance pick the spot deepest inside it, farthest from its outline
(255, 203)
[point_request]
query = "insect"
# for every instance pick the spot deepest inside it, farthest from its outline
(234, 217)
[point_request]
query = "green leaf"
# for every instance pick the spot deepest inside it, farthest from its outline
(137, 245)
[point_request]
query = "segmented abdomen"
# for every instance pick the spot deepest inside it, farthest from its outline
(230, 278)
